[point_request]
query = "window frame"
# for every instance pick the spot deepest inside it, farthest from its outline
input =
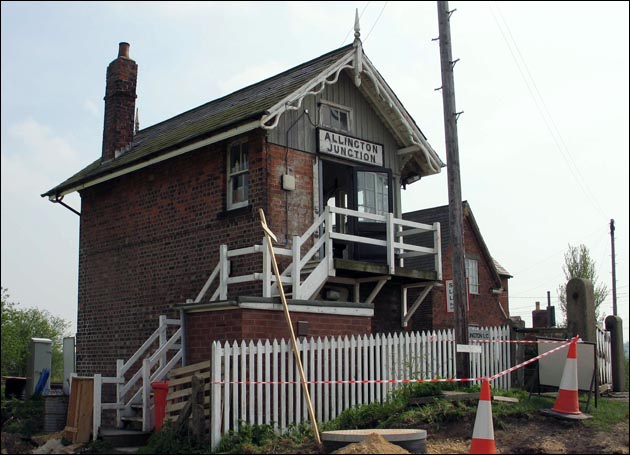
(473, 281)
(385, 196)
(324, 104)
(230, 175)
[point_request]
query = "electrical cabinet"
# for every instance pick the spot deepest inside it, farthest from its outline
(39, 359)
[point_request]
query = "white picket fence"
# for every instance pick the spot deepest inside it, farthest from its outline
(604, 356)
(258, 383)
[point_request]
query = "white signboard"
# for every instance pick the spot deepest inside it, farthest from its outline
(350, 148)
(448, 285)
(469, 348)
(551, 367)
(475, 333)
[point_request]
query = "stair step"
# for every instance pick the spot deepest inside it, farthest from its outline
(131, 418)
(124, 438)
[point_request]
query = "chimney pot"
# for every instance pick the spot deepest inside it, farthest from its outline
(537, 306)
(123, 50)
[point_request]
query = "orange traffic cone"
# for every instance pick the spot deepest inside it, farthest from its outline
(483, 432)
(567, 405)
(568, 401)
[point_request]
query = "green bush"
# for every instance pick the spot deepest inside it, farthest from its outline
(169, 440)
(248, 438)
(23, 417)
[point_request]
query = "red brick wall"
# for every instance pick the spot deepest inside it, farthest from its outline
(151, 238)
(203, 328)
(484, 307)
(290, 212)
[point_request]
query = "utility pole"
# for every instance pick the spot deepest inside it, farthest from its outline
(614, 273)
(456, 218)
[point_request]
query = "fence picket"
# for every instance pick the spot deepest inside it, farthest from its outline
(318, 365)
(235, 378)
(326, 391)
(283, 386)
(267, 354)
(275, 349)
(259, 386)
(274, 392)
(227, 354)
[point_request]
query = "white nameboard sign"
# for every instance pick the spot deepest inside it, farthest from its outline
(350, 148)
(476, 333)
(469, 348)
(450, 307)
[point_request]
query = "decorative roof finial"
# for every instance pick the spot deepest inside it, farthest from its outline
(357, 27)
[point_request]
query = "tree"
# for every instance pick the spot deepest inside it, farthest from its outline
(579, 264)
(19, 326)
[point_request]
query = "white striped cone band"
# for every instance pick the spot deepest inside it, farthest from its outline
(483, 428)
(569, 379)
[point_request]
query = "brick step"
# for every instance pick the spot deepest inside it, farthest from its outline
(124, 438)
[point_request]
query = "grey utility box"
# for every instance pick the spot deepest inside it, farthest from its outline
(69, 363)
(39, 358)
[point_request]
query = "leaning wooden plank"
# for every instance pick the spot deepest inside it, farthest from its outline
(173, 407)
(186, 380)
(205, 365)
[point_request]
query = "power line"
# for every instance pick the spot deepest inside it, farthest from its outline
(375, 22)
(587, 236)
(538, 101)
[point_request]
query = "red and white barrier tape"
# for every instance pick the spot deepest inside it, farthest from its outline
(510, 341)
(398, 381)
(521, 341)
(348, 381)
(527, 362)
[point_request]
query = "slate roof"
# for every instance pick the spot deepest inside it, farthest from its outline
(246, 104)
(441, 215)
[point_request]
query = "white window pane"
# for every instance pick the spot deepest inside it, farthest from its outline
(244, 158)
(334, 118)
(343, 121)
(235, 159)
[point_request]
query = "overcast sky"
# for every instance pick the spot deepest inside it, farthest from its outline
(543, 139)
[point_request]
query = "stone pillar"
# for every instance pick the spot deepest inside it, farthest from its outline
(614, 325)
(517, 351)
(581, 309)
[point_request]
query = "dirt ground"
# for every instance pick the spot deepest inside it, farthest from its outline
(541, 434)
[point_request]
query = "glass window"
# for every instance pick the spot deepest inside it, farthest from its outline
(336, 117)
(372, 193)
(238, 175)
(472, 273)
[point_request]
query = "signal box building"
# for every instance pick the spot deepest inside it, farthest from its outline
(169, 221)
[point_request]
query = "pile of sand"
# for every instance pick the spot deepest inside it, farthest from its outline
(374, 443)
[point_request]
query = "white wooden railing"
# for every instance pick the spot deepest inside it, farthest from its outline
(258, 383)
(604, 357)
(156, 361)
(320, 236)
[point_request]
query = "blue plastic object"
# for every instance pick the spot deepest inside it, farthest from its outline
(43, 379)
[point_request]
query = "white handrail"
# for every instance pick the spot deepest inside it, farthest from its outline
(123, 387)
(397, 250)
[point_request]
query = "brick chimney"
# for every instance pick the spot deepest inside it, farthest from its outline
(120, 103)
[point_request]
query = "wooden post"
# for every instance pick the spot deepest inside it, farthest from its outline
(456, 218)
(270, 235)
(198, 419)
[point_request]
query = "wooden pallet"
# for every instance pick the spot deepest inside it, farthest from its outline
(80, 407)
(180, 388)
